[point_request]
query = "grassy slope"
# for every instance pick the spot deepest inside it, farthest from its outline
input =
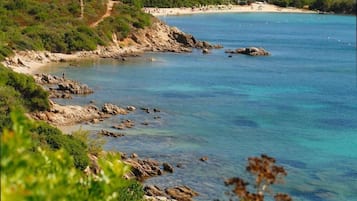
(56, 25)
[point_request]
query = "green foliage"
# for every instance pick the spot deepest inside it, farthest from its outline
(8, 97)
(95, 143)
(56, 25)
(123, 21)
(53, 138)
(76, 148)
(21, 92)
(41, 174)
(33, 97)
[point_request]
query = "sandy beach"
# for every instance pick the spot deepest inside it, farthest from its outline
(254, 7)
(29, 62)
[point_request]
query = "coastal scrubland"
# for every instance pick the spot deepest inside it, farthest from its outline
(58, 26)
(38, 161)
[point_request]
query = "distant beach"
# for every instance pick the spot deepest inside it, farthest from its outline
(254, 7)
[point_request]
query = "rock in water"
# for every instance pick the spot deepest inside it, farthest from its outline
(251, 51)
(204, 159)
(109, 108)
(131, 108)
(168, 167)
(205, 51)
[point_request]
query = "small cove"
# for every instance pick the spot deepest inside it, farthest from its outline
(298, 105)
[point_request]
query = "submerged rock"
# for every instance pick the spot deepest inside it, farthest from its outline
(110, 134)
(204, 159)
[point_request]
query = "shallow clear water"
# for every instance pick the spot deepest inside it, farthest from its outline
(298, 105)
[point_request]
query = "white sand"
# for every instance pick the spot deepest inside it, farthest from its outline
(29, 62)
(255, 7)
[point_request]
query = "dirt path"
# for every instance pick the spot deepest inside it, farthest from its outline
(110, 6)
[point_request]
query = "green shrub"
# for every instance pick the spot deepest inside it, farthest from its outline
(19, 91)
(41, 174)
(34, 96)
(76, 148)
(95, 143)
(8, 98)
(43, 128)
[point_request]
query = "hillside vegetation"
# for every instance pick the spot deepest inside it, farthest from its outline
(57, 25)
(38, 162)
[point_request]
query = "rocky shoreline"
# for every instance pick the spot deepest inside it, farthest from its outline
(158, 38)
(142, 169)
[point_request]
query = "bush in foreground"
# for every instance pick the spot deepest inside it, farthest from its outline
(29, 173)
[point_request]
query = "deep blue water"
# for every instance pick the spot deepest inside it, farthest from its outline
(298, 105)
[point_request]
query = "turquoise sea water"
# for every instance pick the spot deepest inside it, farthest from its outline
(298, 105)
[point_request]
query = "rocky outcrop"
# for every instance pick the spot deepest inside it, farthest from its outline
(73, 87)
(179, 193)
(163, 38)
(206, 45)
(60, 115)
(59, 87)
(251, 51)
(45, 78)
(157, 198)
(112, 109)
(146, 168)
(143, 169)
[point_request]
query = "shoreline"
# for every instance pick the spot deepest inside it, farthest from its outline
(29, 62)
(214, 9)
